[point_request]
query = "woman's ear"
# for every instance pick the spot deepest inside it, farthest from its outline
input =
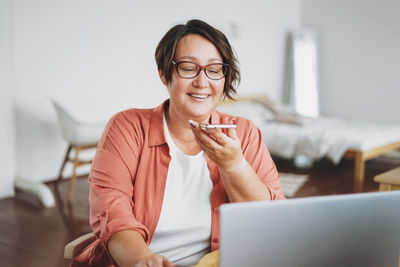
(162, 77)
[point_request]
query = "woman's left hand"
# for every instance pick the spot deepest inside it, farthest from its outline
(223, 149)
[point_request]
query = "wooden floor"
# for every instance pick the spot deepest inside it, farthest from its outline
(33, 236)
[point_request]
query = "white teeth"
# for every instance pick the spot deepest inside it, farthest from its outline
(199, 96)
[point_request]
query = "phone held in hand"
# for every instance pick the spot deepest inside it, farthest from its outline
(218, 126)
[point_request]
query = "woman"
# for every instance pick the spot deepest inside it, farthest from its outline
(158, 178)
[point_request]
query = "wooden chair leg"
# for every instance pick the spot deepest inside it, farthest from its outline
(66, 158)
(72, 181)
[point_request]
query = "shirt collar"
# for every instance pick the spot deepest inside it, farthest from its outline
(156, 130)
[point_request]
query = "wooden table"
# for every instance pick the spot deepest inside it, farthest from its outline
(389, 180)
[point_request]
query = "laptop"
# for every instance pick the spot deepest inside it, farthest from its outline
(342, 230)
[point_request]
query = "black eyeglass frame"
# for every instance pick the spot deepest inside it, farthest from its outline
(200, 68)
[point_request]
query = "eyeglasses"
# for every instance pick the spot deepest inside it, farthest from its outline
(190, 70)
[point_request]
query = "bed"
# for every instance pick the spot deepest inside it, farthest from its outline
(288, 135)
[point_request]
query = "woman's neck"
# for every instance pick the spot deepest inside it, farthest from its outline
(181, 132)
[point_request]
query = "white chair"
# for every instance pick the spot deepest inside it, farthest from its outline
(80, 136)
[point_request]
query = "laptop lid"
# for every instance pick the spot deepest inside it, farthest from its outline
(341, 230)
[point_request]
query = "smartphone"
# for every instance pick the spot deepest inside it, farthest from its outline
(217, 126)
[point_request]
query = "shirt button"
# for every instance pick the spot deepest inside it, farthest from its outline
(216, 209)
(215, 240)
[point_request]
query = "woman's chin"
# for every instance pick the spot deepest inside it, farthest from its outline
(200, 114)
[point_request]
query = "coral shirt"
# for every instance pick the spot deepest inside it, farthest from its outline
(128, 177)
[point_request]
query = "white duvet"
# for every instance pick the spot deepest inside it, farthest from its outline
(322, 137)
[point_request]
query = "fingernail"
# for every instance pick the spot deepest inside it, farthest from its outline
(192, 123)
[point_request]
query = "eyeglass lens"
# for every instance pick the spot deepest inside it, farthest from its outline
(190, 70)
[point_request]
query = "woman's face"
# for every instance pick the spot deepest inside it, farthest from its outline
(195, 98)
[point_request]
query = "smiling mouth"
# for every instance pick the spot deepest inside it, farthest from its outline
(199, 96)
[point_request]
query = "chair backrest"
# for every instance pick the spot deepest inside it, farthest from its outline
(77, 132)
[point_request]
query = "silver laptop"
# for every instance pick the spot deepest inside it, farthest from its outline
(342, 230)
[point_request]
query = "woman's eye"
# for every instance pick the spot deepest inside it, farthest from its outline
(188, 69)
(214, 70)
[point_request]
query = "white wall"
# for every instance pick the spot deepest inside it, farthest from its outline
(98, 58)
(359, 43)
(7, 128)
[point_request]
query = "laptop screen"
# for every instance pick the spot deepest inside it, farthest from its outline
(341, 230)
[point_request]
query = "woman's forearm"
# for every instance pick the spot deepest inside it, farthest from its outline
(242, 183)
(127, 248)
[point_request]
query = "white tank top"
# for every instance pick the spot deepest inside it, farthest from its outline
(183, 231)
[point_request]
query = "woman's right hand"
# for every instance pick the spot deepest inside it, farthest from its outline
(154, 260)
(128, 249)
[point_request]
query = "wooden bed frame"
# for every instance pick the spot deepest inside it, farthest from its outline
(359, 157)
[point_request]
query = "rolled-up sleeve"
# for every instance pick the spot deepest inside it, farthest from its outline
(112, 179)
(257, 154)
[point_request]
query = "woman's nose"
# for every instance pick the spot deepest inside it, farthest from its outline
(201, 80)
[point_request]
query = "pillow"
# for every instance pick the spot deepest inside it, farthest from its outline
(284, 113)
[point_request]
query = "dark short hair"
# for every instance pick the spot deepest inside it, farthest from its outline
(166, 48)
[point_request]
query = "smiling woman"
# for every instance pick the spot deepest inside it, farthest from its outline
(158, 178)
